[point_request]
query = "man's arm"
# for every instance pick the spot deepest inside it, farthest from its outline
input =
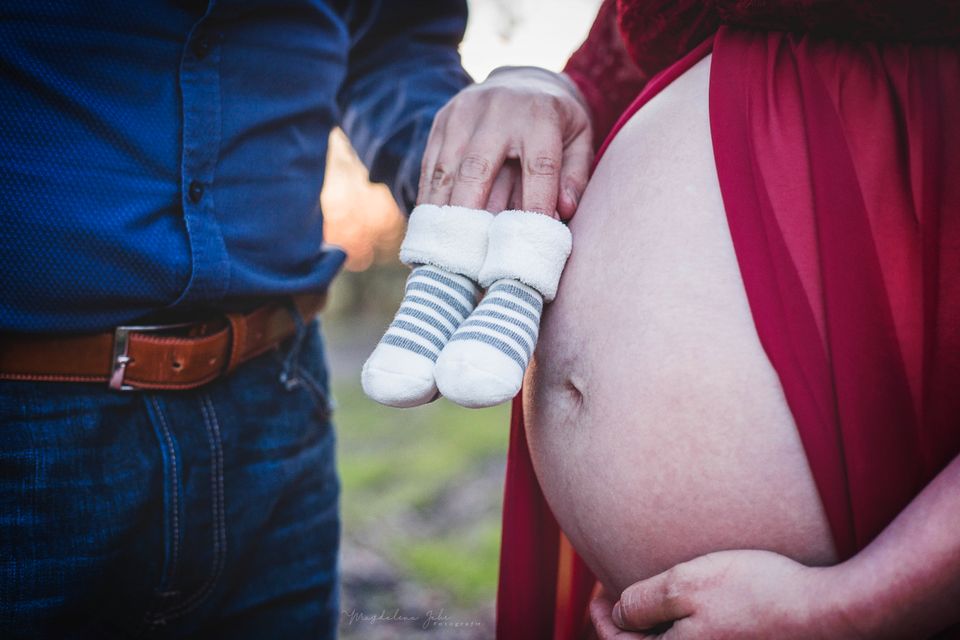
(403, 66)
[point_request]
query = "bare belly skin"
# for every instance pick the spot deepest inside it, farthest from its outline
(657, 426)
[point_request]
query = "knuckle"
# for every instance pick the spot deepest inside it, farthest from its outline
(475, 168)
(466, 107)
(545, 104)
(542, 166)
(507, 95)
(441, 177)
(424, 169)
(439, 122)
(678, 584)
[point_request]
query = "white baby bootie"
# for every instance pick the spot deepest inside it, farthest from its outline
(484, 362)
(446, 247)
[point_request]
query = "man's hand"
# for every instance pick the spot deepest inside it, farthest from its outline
(521, 139)
(728, 594)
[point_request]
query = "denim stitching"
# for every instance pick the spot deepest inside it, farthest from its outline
(219, 518)
(174, 493)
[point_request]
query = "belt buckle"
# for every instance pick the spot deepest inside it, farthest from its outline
(121, 344)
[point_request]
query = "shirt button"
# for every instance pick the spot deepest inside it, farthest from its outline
(201, 46)
(195, 192)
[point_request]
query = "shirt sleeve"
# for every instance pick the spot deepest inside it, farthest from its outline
(630, 42)
(403, 66)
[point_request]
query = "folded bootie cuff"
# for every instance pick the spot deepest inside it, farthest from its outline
(450, 237)
(529, 247)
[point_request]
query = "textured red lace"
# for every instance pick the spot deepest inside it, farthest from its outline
(633, 40)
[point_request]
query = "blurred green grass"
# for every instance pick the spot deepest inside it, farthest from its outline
(463, 565)
(410, 483)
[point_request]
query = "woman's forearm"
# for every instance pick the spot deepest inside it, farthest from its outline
(906, 583)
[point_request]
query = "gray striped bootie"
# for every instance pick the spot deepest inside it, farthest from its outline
(483, 363)
(446, 247)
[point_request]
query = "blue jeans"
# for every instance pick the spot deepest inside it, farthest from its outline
(203, 513)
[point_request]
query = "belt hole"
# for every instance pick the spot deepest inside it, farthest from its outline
(177, 365)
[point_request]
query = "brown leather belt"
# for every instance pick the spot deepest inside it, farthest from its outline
(166, 357)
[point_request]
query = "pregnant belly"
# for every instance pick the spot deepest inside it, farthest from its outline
(657, 427)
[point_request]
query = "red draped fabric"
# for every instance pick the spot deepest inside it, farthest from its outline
(839, 174)
(841, 183)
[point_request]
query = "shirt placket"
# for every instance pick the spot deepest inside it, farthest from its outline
(201, 107)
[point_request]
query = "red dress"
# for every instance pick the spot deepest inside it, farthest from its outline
(835, 129)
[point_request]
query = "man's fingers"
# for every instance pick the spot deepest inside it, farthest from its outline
(574, 173)
(651, 603)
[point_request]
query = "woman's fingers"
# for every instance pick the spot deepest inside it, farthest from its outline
(516, 195)
(501, 193)
(441, 175)
(654, 602)
(541, 159)
(430, 154)
(530, 115)
(574, 173)
(600, 608)
(480, 167)
(445, 151)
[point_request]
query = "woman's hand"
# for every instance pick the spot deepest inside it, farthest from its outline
(520, 139)
(727, 594)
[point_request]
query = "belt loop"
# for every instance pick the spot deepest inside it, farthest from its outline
(238, 340)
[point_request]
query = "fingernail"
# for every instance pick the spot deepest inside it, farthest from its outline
(617, 615)
(573, 196)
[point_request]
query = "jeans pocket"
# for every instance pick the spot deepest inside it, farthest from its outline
(303, 367)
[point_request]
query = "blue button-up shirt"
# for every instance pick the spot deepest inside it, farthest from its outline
(165, 156)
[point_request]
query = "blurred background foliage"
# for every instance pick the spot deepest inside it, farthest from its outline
(422, 488)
